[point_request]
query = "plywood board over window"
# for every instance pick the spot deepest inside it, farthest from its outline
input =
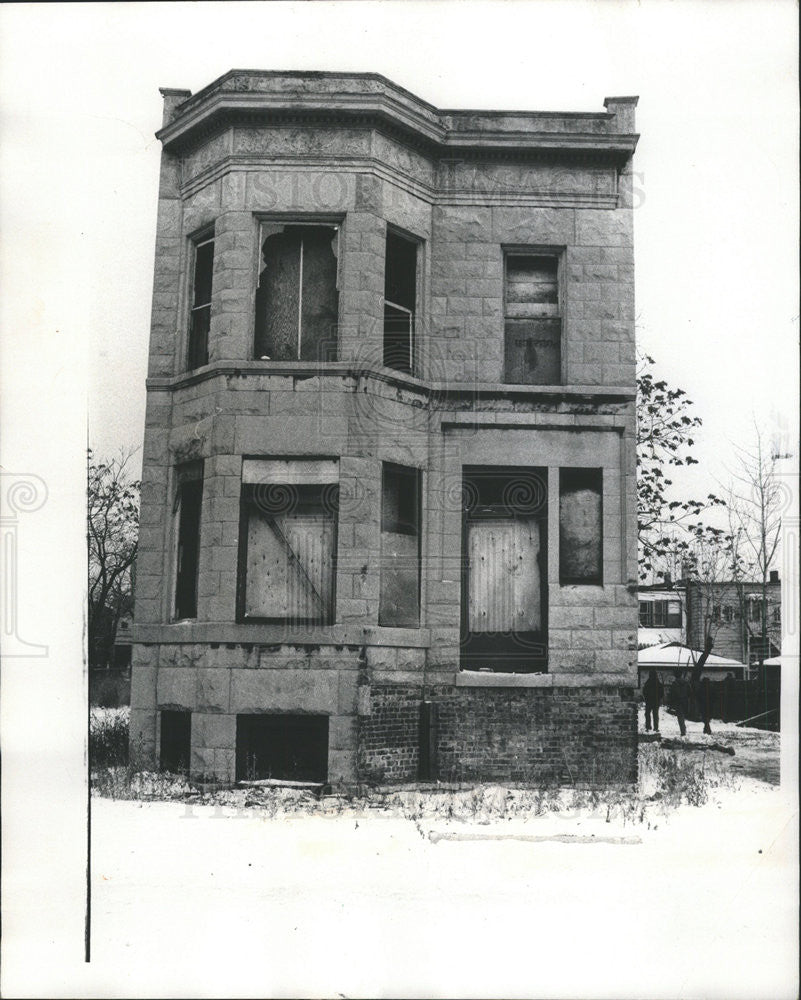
(297, 302)
(581, 526)
(288, 541)
(504, 576)
(533, 322)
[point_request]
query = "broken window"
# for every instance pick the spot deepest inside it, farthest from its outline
(580, 526)
(399, 602)
(282, 747)
(297, 302)
(188, 500)
(288, 540)
(533, 324)
(400, 297)
(200, 314)
(504, 577)
(176, 737)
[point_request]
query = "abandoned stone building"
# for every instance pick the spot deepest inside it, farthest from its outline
(388, 522)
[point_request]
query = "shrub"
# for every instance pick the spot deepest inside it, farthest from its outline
(108, 737)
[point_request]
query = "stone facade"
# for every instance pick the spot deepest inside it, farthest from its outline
(471, 190)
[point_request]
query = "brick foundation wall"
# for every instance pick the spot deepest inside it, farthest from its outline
(543, 736)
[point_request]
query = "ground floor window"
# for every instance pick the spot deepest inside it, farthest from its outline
(288, 532)
(399, 602)
(504, 574)
(176, 740)
(287, 747)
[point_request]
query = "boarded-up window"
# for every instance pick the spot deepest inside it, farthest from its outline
(282, 747)
(504, 613)
(399, 602)
(580, 526)
(533, 324)
(288, 541)
(200, 314)
(297, 302)
(176, 736)
(188, 502)
(400, 295)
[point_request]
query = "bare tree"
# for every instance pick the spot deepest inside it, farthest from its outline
(755, 502)
(666, 428)
(112, 532)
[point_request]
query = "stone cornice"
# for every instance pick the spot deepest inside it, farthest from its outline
(369, 100)
(449, 390)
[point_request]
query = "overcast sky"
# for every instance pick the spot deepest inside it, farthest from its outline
(716, 230)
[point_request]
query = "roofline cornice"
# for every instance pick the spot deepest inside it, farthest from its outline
(439, 133)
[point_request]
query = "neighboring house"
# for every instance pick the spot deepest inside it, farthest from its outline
(734, 611)
(388, 521)
(661, 610)
(669, 656)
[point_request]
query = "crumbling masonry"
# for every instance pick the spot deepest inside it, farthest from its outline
(388, 507)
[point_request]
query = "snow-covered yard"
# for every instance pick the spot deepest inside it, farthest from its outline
(201, 900)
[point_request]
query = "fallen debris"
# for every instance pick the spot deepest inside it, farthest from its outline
(683, 744)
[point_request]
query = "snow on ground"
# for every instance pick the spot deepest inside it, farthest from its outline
(756, 751)
(206, 901)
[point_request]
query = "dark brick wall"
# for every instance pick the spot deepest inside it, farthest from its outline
(544, 736)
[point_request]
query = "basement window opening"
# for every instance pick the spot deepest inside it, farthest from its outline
(176, 739)
(282, 747)
(400, 302)
(297, 299)
(200, 312)
(288, 532)
(533, 321)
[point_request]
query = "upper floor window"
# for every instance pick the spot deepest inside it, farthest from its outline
(200, 313)
(660, 614)
(533, 320)
(400, 299)
(297, 301)
(754, 609)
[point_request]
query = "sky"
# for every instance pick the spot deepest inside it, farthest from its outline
(715, 224)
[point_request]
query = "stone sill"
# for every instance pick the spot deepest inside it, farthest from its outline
(252, 634)
(483, 679)
(304, 370)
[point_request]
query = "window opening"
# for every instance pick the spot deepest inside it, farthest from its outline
(400, 302)
(188, 503)
(297, 301)
(580, 526)
(399, 600)
(504, 576)
(288, 540)
(176, 738)
(533, 324)
(200, 315)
